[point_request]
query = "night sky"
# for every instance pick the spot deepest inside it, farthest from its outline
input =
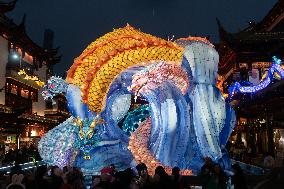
(77, 23)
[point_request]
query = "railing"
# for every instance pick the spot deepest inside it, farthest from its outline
(25, 166)
(252, 169)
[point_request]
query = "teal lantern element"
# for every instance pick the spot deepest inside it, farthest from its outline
(134, 118)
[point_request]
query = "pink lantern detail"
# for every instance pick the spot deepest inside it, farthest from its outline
(154, 76)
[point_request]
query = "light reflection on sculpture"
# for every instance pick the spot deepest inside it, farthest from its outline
(184, 117)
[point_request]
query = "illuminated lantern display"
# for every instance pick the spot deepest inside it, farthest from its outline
(276, 71)
(138, 98)
(32, 78)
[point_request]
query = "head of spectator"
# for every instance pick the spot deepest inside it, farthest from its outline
(126, 177)
(160, 171)
(175, 171)
(56, 177)
(114, 171)
(106, 175)
(65, 169)
(208, 161)
(16, 182)
(237, 169)
(142, 169)
(75, 180)
(40, 172)
(217, 169)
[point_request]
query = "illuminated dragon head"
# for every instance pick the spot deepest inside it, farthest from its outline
(54, 86)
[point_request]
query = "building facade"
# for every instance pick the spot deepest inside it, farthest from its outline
(246, 57)
(25, 67)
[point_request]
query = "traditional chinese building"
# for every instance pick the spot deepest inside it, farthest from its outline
(25, 67)
(245, 57)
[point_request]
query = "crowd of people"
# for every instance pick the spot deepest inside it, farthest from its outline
(43, 177)
(211, 175)
(72, 178)
(139, 178)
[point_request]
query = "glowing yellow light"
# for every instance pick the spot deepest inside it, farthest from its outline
(32, 78)
(34, 133)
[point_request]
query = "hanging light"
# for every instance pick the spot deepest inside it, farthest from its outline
(15, 55)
